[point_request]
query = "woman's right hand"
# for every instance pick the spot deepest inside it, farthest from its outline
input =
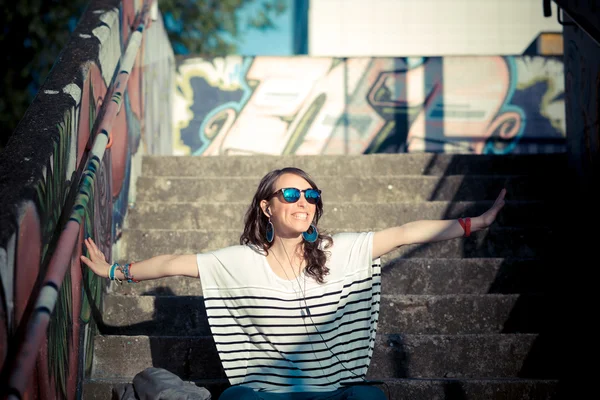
(96, 262)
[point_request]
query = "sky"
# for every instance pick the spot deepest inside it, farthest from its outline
(274, 42)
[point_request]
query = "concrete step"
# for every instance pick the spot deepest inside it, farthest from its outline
(370, 189)
(357, 164)
(398, 389)
(421, 276)
(493, 242)
(157, 215)
(394, 356)
(408, 314)
(466, 276)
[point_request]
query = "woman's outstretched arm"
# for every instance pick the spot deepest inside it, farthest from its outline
(152, 268)
(426, 231)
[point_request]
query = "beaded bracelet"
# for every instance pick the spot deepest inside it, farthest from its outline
(127, 273)
(124, 270)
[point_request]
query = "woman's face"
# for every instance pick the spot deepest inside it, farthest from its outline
(290, 219)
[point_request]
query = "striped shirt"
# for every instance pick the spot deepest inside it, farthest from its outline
(298, 335)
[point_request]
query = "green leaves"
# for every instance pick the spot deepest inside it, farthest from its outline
(212, 27)
(37, 31)
(40, 30)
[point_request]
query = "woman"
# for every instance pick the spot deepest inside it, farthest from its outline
(292, 310)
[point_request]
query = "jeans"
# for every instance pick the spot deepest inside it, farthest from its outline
(345, 393)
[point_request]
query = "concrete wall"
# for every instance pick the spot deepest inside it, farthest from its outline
(582, 75)
(579, 207)
(323, 105)
(40, 170)
(401, 28)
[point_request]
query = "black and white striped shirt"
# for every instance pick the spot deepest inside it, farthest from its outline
(287, 336)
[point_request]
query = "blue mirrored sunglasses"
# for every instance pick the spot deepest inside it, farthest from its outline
(292, 195)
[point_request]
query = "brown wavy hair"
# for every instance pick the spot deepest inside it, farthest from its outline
(255, 224)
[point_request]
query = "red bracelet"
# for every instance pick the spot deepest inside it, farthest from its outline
(466, 225)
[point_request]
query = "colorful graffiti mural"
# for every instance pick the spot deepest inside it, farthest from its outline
(41, 205)
(320, 105)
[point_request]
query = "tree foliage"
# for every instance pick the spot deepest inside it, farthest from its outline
(212, 27)
(35, 31)
(32, 35)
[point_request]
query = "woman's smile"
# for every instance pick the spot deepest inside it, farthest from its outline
(301, 216)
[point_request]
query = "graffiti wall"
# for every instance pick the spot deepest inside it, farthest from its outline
(40, 170)
(321, 105)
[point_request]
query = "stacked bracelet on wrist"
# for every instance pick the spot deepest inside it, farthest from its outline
(127, 273)
(466, 225)
(124, 270)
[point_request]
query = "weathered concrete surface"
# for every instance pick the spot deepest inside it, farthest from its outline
(345, 215)
(411, 314)
(372, 189)
(425, 276)
(359, 165)
(493, 242)
(467, 318)
(430, 389)
(394, 356)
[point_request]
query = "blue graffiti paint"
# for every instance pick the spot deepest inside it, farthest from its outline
(507, 107)
(235, 105)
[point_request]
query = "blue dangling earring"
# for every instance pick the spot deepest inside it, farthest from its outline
(311, 237)
(270, 231)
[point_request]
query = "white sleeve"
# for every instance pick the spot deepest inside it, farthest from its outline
(224, 268)
(208, 268)
(352, 251)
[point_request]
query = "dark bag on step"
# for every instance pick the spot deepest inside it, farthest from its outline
(159, 384)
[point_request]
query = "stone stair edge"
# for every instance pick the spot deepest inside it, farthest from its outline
(410, 154)
(395, 388)
(526, 242)
(216, 386)
(399, 313)
(381, 337)
(414, 155)
(415, 275)
(388, 261)
(370, 203)
(332, 230)
(317, 177)
(419, 350)
(422, 164)
(393, 380)
(385, 296)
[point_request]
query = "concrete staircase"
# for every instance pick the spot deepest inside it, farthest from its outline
(461, 319)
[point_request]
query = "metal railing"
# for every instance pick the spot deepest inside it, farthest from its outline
(578, 20)
(23, 364)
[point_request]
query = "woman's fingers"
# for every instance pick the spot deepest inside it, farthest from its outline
(490, 215)
(100, 269)
(95, 253)
(90, 248)
(96, 261)
(86, 261)
(89, 244)
(499, 203)
(89, 263)
(501, 196)
(93, 246)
